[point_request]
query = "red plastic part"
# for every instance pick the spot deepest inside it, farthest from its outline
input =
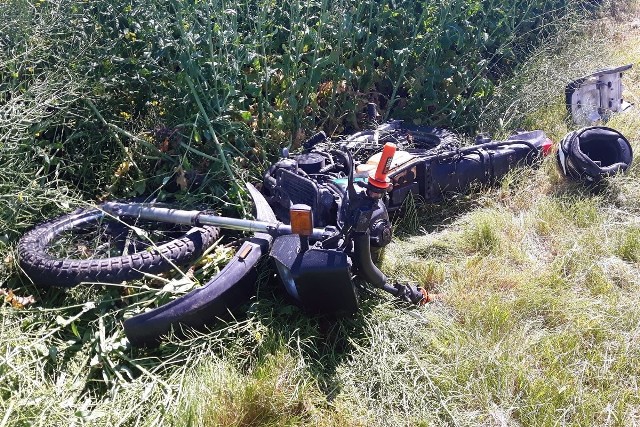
(379, 179)
(546, 147)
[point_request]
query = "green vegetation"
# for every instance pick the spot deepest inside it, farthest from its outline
(114, 96)
(537, 323)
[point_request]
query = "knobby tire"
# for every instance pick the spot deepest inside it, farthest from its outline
(47, 269)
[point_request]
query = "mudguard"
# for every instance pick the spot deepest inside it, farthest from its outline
(229, 289)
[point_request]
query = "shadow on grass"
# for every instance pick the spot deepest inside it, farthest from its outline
(322, 341)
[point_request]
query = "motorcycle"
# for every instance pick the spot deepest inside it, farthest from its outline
(320, 216)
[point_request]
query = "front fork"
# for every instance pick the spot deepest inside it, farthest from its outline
(365, 218)
(367, 269)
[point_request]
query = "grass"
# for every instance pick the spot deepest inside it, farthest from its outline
(537, 323)
(539, 286)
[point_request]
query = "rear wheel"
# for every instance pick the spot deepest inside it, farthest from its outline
(420, 140)
(92, 246)
(427, 138)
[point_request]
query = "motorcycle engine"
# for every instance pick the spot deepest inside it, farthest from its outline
(318, 179)
(303, 179)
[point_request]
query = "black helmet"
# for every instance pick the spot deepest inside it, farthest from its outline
(593, 153)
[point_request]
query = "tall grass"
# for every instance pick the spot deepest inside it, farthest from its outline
(216, 87)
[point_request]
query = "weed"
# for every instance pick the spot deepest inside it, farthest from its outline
(275, 394)
(629, 247)
(483, 232)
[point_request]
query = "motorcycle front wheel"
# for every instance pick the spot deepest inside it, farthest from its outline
(93, 246)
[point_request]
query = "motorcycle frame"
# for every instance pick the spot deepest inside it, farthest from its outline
(338, 253)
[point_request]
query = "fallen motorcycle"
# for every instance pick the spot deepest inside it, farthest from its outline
(319, 215)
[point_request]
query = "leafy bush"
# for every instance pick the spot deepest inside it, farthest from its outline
(114, 96)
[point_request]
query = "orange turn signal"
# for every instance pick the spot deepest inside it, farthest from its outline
(301, 220)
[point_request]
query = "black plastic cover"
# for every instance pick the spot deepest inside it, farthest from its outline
(324, 282)
(321, 277)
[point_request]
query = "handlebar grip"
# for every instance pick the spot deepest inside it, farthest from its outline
(379, 178)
